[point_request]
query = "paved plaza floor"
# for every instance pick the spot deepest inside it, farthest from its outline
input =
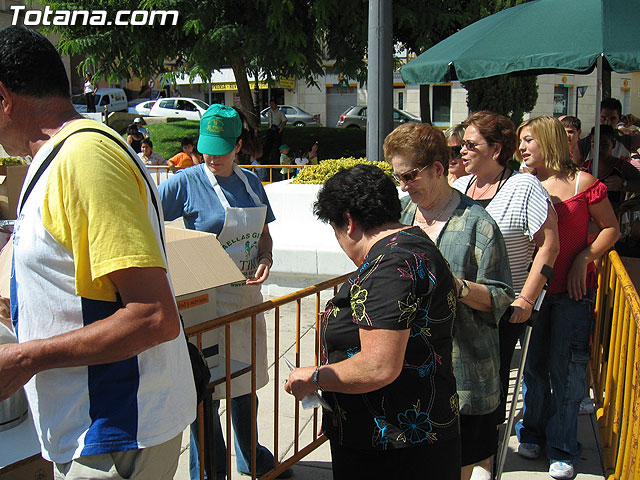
(317, 465)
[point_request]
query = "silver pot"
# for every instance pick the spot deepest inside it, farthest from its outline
(13, 410)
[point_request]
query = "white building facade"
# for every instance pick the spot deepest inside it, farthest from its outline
(558, 94)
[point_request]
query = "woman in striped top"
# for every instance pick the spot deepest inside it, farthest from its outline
(522, 209)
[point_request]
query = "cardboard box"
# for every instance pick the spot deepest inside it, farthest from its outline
(11, 180)
(32, 468)
(198, 264)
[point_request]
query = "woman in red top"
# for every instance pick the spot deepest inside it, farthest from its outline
(556, 366)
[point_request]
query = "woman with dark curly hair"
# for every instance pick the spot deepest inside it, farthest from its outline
(386, 367)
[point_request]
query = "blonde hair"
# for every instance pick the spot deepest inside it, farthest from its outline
(552, 138)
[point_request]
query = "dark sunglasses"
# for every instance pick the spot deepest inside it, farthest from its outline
(471, 145)
(408, 176)
(455, 151)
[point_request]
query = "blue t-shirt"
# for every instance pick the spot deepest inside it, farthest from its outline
(189, 194)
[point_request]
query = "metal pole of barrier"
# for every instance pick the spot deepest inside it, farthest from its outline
(276, 391)
(227, 367)
(254, 401)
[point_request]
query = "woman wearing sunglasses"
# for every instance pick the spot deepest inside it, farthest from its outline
(472, 244)
(522, 209)
(454, 136)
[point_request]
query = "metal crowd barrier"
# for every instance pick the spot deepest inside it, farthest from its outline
(615, 367)
(161, 172)
(300, 448)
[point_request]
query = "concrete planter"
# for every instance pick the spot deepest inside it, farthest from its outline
(305, 250)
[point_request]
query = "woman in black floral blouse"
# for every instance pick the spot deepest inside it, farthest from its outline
(386, 365)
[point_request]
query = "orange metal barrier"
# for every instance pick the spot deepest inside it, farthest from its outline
(302, 347)
(615, 366)
(161, 172)
(290, 171)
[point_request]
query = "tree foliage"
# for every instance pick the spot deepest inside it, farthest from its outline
(279, 38)
(509, 95)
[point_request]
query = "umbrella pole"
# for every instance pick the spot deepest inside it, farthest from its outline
(596, 133)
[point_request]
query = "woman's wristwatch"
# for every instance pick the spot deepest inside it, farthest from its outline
(315, 378)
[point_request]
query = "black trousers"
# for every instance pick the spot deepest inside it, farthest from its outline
(91, 102)
(439, 461)
(509, 334)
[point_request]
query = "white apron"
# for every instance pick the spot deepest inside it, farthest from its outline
(239, 237)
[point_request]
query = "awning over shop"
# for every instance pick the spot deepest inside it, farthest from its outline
(224, 80)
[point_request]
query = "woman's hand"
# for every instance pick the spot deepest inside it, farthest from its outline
(521, 311)
(614, 183)
(577, 279)
(300, 382)
(262, 273)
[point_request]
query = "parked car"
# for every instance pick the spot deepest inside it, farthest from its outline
(114, 99)
(189, 108)
(295, 116)
(356, 117)
(141, 108)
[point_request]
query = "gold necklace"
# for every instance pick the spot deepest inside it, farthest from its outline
(437, 217)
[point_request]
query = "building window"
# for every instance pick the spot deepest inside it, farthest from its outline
(441, 105)
(560, 101)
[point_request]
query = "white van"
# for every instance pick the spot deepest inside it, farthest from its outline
(114, 99)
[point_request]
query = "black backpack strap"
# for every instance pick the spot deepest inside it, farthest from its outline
(55, 152)
(42, 168)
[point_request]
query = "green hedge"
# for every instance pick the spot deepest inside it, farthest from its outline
(332, 142)
(326, 169)
(11, 161)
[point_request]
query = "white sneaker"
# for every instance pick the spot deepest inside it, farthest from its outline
(560, 469)
(586, 406)
(480, 473)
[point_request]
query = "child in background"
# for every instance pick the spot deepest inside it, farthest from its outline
(301, 159)
(188, 157)
(313, 154)
(285, 160)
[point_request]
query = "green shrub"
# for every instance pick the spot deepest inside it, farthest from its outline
(12, 161)
(333, 142)
(326, 169)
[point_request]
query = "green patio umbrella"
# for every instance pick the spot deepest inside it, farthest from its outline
(543, 36)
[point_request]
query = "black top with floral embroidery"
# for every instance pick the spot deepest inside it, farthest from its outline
(403, 283)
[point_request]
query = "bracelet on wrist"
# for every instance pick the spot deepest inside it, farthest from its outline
(529, 301)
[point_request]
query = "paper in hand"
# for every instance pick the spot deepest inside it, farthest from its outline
(313, 400)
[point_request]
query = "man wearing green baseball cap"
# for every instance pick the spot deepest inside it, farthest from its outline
(219, 197)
